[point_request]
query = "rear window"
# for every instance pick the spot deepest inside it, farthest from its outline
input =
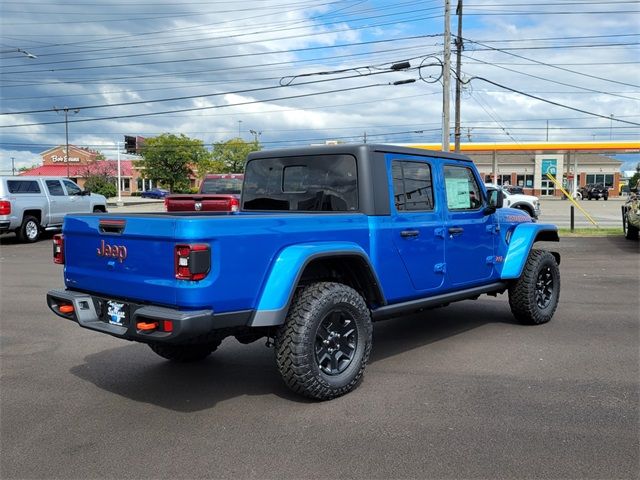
(23, 186)
(326, 183)
(222, 186)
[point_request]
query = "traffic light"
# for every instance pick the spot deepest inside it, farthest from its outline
(130, 144)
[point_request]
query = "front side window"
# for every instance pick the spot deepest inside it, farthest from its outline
(55, 188)
(463, 192)
(72, 188)
(315, 183)
(412, 186)
(23, 186)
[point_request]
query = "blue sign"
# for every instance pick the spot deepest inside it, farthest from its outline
(549, 166)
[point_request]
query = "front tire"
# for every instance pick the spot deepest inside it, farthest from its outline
(323, 347)
(29, 231)
(630, 232)
(185, 353)
(534, 296)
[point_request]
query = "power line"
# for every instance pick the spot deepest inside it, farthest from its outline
(551, 102)
(557, 82)
(553, 66)
(212, 107)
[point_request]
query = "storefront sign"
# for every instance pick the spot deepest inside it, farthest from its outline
(549, 166)
(58, 158)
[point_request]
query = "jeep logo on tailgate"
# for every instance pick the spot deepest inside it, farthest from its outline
(113, 251)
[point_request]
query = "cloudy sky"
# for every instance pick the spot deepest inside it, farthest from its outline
(304, 71)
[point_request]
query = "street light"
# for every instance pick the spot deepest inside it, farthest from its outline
(65, 110)
(255, 134)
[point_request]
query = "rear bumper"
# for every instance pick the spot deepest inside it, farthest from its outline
(5, 226)
(89, 311)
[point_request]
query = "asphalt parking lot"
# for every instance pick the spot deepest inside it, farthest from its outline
(458, 392)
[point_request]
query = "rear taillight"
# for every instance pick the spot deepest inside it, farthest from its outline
(234, 204)
(5, 207)
(58, 248)
(193, 262)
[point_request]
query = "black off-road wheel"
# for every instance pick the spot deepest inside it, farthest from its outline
(323, 347)
(630, 232)
(29, 231)
(534, 296)
(185, 353)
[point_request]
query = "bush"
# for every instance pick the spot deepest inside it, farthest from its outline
(101, 186)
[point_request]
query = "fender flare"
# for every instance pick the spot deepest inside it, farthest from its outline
(527, 208)
(287, 269)
(522, 239)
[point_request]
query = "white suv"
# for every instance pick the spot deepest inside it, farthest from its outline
(527, 203)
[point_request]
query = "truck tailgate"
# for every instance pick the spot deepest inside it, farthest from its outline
(127, 257)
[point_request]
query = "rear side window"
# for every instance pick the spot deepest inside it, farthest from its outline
(55, 188)
(222, 186)
(412, 186)
(463, 192)
(326, 183)
(23, 186)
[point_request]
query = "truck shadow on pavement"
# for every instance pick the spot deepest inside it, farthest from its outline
(135, 372)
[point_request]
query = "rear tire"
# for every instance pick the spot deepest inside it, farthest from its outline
(534, 296)
(323, 347)
(29, 231)
(184, 353)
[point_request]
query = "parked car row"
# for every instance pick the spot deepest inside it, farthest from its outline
(593, 190)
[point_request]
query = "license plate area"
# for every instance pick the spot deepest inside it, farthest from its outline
(116, 313)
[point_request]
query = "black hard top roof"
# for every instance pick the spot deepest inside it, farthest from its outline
(357, 149)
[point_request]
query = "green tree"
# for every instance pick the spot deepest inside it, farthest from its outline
(230, 156)
(170, 159)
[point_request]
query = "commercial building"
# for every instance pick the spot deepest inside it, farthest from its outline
(527, 164)
(82, 163)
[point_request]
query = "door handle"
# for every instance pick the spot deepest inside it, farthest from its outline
(455, 230)
(409, 233)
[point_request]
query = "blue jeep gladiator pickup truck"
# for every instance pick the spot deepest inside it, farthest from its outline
(328, 239)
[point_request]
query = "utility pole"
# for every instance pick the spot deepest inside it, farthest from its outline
(239, 128)
(119, 203)
(547, 130)
(364, 137)
(459, 47)
(65, 110)
(13, 166)
(446, 76)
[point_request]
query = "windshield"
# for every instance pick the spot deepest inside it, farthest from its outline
(229, 186)
(327, 183)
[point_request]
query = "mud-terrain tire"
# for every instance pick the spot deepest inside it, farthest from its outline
(630, 232)
(29, 231)
(185, 353)
(323, 347)
(534, 296)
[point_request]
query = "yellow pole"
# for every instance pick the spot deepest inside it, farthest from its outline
(566, 194)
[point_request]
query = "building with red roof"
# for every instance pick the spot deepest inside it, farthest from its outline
(83, 163)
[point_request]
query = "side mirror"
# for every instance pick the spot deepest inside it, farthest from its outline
(86, 192)
(495, 198)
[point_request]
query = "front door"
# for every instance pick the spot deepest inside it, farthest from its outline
(469, 231)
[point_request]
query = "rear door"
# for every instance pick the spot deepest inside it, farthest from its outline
(417, 224)
(58, 201)
(469, 231)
